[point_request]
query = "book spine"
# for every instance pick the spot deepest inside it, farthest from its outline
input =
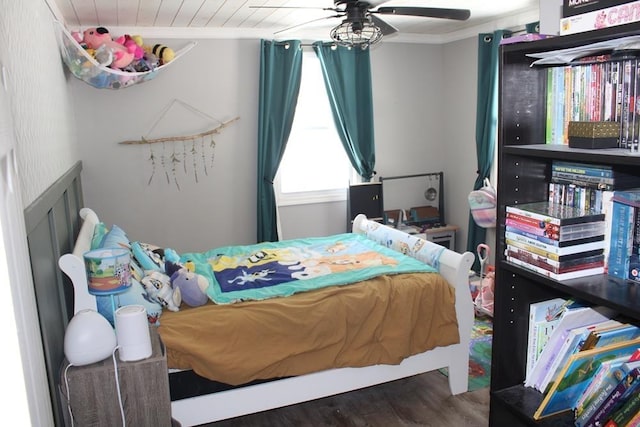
(533, 215)
(606, 380)
(559, 121)
(551, 86)
(621, 245)
(553, 266)
(541, 239)
(550, 232)
(581, 169)
(582, 180)
(567, 250)
(613, 399)
(563, 276)
(624, 414)
(531, 222)
(601, 378)
(528, 227)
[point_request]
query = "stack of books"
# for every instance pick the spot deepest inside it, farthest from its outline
(590, 365)
(586, 186)
(558, 241)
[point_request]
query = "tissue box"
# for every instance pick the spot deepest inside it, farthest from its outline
(594, 134)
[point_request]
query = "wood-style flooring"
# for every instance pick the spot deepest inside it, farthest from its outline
(422, 400)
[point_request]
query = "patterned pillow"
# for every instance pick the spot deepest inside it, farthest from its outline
(415, 247)
(136, 294)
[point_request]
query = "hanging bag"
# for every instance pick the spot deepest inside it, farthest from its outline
(483, 204)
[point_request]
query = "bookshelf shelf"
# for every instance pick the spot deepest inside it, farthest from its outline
(523, 401)
(524, 171)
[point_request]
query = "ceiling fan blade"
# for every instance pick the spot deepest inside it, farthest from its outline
(308, 22)
(385, 27)
(333, 9)
(427, 12)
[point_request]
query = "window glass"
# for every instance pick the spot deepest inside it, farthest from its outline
(315, 167)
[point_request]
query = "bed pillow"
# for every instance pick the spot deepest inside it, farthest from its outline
(415, 247)
(135, 295)
(116, 238)
(146, 257)
(99, 232)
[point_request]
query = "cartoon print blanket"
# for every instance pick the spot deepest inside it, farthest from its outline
(278, 269)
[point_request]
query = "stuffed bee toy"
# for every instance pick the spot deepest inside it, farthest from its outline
(164, 53)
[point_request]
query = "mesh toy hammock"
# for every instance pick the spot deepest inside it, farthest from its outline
(86, 68)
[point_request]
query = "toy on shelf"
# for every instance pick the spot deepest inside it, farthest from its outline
(106, 63)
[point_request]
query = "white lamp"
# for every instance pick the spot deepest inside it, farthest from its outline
(89, 338)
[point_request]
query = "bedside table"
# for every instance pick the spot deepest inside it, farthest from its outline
(144, 387)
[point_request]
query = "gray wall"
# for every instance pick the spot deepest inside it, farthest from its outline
(412, 88)
(41, 118)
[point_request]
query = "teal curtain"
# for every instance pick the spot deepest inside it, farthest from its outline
(486, 122)
(347, 77)
(280, 71)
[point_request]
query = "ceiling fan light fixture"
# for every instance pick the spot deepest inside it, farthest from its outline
(356, 33)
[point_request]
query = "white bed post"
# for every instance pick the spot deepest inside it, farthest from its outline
(73, 264)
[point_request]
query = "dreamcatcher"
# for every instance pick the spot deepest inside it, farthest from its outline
(188, 152)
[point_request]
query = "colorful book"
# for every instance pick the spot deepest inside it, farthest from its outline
(574, 316)
(555, 276)
(556, 267)
(600, 337)
(514, 238)
(621, 245)
(630, 374)
(576, 376)
(556, 232)
(604, 378)
(624, 414)
(556, 213)
(550, 255)
(552, 242)
(543, 317)
(603, 177)
(572, 344)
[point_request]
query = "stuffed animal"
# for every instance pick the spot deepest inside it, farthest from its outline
(159, 289)
(96, 37)
(163, 53)
(192, 286)
(132, 46)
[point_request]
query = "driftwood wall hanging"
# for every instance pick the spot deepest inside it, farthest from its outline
(190, 153)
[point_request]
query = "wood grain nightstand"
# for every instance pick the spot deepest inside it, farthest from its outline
(144, 387)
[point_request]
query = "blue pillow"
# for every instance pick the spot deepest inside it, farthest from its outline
(116, 238)
(135, 295)
(145, 257)
(99, 232)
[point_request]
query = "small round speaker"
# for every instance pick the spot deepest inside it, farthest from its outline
(89, 338)
(132, 331)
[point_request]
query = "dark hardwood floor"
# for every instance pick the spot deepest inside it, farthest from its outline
(423, 400)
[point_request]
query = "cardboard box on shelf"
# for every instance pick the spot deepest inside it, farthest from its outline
(602, 18)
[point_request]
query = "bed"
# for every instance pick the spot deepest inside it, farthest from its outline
(287, 389)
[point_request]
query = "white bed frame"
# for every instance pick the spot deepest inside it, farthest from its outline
(232, 403)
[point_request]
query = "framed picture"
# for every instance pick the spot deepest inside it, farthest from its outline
(576, 375)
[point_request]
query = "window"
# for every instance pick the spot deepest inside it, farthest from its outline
(315, 167)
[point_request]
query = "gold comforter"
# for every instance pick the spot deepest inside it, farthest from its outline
(378, 321)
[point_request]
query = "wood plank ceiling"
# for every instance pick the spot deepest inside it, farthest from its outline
(241, 19)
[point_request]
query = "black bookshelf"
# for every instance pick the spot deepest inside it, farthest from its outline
(524, 171)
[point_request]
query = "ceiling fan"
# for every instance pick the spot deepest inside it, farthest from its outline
(362, 27)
